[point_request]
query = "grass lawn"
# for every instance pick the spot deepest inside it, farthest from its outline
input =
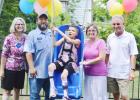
(134, 91)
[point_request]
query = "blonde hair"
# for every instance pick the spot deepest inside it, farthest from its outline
(12, 27)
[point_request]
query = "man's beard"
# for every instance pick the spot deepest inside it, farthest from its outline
(42, 27)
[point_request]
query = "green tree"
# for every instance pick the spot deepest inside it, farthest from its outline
(101, 16)
(11, 10)
(132, 25)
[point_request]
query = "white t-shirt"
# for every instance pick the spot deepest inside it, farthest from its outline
(120, 48)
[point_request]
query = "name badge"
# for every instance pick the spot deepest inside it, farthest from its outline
(18, 45)
(39, 38)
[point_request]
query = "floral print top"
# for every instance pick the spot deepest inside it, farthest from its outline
(13, 51)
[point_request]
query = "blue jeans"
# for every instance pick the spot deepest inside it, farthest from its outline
(35, 87)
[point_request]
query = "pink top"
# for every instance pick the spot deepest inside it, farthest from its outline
(13, 51)
(91, 51)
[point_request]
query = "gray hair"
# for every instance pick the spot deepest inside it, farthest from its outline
(12, 27)
(118, 17)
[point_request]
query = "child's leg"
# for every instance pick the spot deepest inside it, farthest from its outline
(64, 76)
(68, 70)
(51, 69)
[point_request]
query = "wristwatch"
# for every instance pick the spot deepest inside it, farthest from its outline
(133, 69)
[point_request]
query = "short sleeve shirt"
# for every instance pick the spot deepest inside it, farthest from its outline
(40, 45)
(120, 49)
(13, 51)
(91, 51)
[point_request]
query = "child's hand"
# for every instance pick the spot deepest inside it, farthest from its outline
(55, 29)
(84, 63)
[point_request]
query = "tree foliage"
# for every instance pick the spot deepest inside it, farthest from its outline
(133, 26)
(11, 10)
(102, 18)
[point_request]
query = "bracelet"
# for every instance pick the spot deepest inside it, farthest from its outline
(133, 69)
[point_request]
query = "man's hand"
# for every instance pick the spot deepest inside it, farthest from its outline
(32, 72)
(132, 75)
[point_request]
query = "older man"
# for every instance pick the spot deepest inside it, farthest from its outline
(38, 50)
(121, 57)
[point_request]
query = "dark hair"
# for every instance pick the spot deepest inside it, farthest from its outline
(92, 25)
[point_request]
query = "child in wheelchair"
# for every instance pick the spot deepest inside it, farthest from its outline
(66, 61)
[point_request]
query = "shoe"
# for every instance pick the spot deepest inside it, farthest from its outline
(52, 98)
(66, 98)
(52, 93)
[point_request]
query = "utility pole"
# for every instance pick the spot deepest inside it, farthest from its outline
(1, 5)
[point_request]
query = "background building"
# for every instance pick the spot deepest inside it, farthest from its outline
(82, 14)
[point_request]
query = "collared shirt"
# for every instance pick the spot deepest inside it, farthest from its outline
(40, 45)
(13, 51)
(120, 48)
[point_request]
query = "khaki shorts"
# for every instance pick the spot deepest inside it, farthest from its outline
(118, 86)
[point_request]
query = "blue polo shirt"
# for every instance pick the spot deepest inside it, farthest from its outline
(40, 45)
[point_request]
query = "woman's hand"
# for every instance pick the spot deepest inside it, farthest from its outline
(84, 63)
(1, 74)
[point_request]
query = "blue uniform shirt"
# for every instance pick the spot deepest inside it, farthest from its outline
(40, 45)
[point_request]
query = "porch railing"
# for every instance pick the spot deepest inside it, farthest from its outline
(134, 91)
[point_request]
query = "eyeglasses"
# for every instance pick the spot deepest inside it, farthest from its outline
(20, 24)
(94, 30)
(116, 24)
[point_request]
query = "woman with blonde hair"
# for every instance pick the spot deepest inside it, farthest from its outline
(12, 70)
